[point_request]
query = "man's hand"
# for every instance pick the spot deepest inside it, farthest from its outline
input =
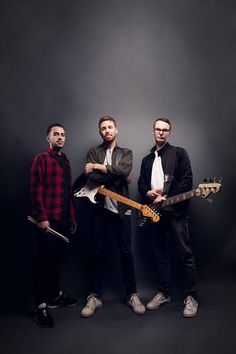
(156, 196)
(158, 199)
(129, 179)
(88, 168)
(44, 225)
(152, 194)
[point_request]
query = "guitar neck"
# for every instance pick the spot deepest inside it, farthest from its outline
(120, 198)
(178, 198)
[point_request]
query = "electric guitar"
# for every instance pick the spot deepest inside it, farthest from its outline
(90, 192)
(203, 190)
(151, 211)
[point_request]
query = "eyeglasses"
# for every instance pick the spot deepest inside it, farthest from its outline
(158, 130)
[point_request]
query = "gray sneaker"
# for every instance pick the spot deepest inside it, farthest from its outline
(190, 308)
(157, 301)
(93, 303)
(136, 305)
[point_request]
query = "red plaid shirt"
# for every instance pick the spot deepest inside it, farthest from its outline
(47, 187)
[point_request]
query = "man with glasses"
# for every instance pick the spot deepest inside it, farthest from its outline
(165, 172)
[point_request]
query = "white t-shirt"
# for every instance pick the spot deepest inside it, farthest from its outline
(110, 203)
(157, 179)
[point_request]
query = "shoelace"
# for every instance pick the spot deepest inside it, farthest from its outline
(44, 312)
(158, 297)
(136, 300)
(189, 303)
(91, 302)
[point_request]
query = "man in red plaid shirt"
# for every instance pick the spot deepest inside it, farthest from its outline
(52, 206)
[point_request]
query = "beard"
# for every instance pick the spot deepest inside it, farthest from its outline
(57, 148)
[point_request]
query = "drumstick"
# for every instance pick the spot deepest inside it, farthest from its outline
(53, 232)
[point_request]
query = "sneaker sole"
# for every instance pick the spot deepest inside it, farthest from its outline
(139, 313)
(136, 312)
(40, 325)
(90, 315)
(190, 316)
(157, 307)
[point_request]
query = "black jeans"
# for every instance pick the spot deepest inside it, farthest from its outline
(104, 224)
(46, 281)
(174, 231)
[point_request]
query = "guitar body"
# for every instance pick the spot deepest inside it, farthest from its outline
(88, 192)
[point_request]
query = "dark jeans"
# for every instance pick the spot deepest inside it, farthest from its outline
(103, 224)
(46, 282)
(173, 231)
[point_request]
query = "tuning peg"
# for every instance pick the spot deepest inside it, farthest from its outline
(205, 180)
(220, 179)
(210, 180)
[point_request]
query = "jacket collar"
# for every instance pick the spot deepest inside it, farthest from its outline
(161, 151)
(104, 145)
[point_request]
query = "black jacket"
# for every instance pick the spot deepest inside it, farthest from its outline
(116, 178)
(177, 174)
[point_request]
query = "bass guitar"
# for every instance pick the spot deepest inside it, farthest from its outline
(203, 190)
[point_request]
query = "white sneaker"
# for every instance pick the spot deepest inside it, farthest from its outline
(93, 303)
(136, 305)
(157, 301)
(190, 308)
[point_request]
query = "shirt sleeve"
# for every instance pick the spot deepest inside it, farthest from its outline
(115, 172)
(124, 166)
(183, 178)
(144, 180)
(36, 189)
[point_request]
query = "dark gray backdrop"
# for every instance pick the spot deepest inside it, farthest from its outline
(74, 61)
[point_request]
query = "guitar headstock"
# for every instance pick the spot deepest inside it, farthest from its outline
(148, 212)
(207, 188)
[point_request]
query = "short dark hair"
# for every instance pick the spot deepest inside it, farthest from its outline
(163, 119)
(103, 119)
(54, 125)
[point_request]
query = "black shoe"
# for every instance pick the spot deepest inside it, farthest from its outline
(62, 301)
(43, 318)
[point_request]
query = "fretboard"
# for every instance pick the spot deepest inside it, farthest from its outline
(120, 198)
(178, 198)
